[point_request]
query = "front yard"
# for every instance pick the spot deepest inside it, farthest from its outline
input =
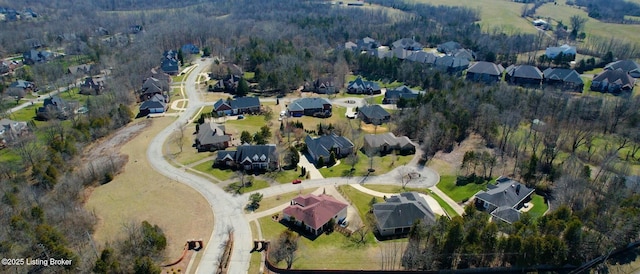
(381, 165)
(459, 194)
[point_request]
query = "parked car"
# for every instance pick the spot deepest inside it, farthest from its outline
(240, 117)
(296, 181)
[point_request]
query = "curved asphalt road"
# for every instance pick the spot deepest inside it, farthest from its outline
(228, 210)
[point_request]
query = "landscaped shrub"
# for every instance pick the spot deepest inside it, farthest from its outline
(465, 180)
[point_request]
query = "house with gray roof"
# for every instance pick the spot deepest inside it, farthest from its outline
(504, 199)
(249, 157)
(312, 106)
(388, 142)
(524, 75)
(396, 215)
(373, 114)
(156, 104)
(628, 66)
(613, 81)
(212, 136)
(36, 56)
(367, 43)
(152, 86)
(360, 86)
(407, 44)
(240, 105)
(486, 72)
(11, 130)
(55, 107)
(563, 79)
(169, 63)
(451, 65)
(321, 147)
(393, 96)
(449, 47)
(325, 85)
(422, 57)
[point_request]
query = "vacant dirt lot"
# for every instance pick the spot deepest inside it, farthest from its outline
(139, 193)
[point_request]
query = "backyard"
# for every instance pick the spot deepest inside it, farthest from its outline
(458, 193)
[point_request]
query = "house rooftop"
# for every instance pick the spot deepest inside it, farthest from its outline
(482, 67)
(506, 193)
(403, 210)
(314, 211)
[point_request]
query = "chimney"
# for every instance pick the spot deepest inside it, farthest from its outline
(518, 190)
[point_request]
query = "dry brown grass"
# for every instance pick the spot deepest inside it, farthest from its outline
(449, 163)
(139, 193)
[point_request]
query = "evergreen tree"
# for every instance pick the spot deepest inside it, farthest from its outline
(243, 88)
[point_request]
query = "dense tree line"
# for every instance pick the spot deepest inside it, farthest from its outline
(610, 11)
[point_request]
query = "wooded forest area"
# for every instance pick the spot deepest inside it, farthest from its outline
(579, 156)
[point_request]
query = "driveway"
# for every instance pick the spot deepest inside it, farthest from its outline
(311, 168)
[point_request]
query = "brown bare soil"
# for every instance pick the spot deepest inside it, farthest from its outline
(139, 193)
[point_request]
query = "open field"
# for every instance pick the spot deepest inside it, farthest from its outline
(139, 193)
(500, 14)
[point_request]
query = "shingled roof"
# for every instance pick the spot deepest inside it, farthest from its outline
(314, 211)
(212, 133)
(482, 67)
(402, 211)
(566, 75)
(628, 66)
(506, 193)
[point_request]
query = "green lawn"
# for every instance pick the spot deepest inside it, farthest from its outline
(358, 199)
(285, 176)
(256, 185)
(250, 123)
(380, 164)
(448, 185)
(179, 78)
(539, 206)
(26, 114)
(445, 206)
(249, 75)
(73, 95)
(9, 155)
(221, 174)
(311, 123)
(334, 247)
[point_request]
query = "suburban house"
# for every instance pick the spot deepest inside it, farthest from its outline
(156, 104)
(407, 43)
(92, 85)
(486, 72)
(613, 81)
(393, 96)
(80, 70)
(628, 66)
(169, 63)
(399, 53)
(564, 79)
(249, 157)
(314, 213)
(54, 107)
(422, 57)
(381, 52)
(11, 130)
(321, 147)
(211, 136)
(452, 65)
(153, 86)
(504, 199)
(566, 50)
(396, 215)
(367, 43)
(190, 49)
(325, 85)
(313, 106)
(524, 75)
(466, 54)
(36, 56)
(227, 84)
(359, 86)
(449, 47)
(26, 86)
(373, 114)
(388, 142)
(237, 106)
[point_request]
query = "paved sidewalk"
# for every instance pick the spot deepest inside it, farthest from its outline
(459, 209)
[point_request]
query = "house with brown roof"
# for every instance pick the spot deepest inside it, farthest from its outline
(613, 81)
(313, 213)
